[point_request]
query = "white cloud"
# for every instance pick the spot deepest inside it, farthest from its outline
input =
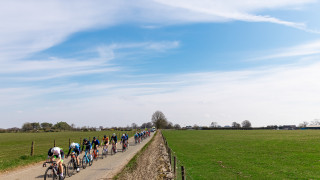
(31, 26)
(307, 49)
(285, 95)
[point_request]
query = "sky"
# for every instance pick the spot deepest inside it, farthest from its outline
(115, 62)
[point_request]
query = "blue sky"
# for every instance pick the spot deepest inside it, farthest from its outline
(114, 63)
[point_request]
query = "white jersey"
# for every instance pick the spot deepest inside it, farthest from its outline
(56, 151)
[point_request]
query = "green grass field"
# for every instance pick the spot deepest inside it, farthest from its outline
(247, 154)
(15, 148)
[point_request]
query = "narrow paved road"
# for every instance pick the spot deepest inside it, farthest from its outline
(102, 169)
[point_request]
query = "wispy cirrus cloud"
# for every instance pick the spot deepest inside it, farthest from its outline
(31, 26)
(306, 49)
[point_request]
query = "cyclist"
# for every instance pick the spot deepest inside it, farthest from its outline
(105, 142)
(88, 146)
(95, 143)
(127, 139)
(58, 154)
(75, 147)
(115, 139)
(123, 141)
(136, 137)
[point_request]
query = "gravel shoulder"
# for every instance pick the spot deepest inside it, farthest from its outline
(105, 168)
(153, 163)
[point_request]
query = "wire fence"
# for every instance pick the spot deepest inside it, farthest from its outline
(179, 170)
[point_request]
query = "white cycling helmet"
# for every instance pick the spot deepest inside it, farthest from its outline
(73, 145)
(123, 135)
(114, 134)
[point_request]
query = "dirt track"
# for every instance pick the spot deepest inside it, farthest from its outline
(102, 169)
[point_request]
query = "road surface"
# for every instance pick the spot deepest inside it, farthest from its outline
(102, 169)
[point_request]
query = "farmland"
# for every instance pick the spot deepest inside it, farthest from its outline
(15, 148)
(254, 154)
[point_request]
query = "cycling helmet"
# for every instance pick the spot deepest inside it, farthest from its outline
(123, 135)
(73, 145)
(94, 138)
(114, 134)
(50, 153)
(85, 139)
(104, 136)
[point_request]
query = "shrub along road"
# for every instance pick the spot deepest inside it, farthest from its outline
(102, 169)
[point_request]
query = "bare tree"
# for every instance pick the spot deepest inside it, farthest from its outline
(159, 120)
(134, 126)
(177, 126)
(235, 125)
(214, 125)
(170, 125)
(246, 124)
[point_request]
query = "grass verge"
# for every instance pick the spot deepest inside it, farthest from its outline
(132, 164)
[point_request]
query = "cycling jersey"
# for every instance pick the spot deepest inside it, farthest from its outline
(123, 138)
(57, 152)
(87, 145)
(105, 140)
(95, 143)
(76, 149)
(114, 138)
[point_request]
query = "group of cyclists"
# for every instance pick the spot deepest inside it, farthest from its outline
(75, 148)
(139, 136)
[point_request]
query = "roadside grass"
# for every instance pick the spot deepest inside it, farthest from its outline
(243, 154)
(132, 164)
(15, 148)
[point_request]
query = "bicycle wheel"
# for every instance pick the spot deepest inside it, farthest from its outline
(90, 160)
(49, 173)
(84, 162)
(101, 155)
(97, 155)
(70, 168)
(64, 171)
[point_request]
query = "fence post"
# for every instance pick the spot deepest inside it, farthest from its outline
(32, 149)
(174, 166)
(54, 143)
(182, 173)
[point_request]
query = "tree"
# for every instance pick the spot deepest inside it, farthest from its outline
(177, 126)
(27, 126)
(304, 124)
(170, 125)
(235, 125)
(46, 125)
(159, 120)
(214, 125)
(134, 126)
(195, 126)
(62, 126)
(246, 124)
(35, 126)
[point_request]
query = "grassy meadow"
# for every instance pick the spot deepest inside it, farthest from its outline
(247, 154)
(15, 148)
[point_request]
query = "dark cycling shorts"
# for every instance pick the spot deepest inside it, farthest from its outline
(77, 151)
(95, 147)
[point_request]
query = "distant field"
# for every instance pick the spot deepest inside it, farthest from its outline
(243, 154)
(15, 148)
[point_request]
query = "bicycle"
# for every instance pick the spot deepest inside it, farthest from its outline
(87, 159)
(105, 151)
(123, 146)
(96, 154)
(113, 149)
(72, 164)
(53, 171)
